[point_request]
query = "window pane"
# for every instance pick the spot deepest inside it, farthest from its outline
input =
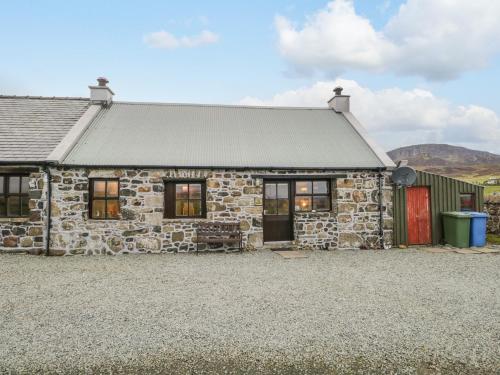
(303, 187)
(113, 209)
(321, 203)
(282, 191)
(25, 184)
(466, 202)
(98, 207)
(303, 203)
(195, 191)
(14, 184)
(112, 189)
(320, 187)
(181, 191)
(3, 207)
(181, 207)
(25, 210)
(270, 191)
(13, 206)
(99, 189)
(195, 208)
(283, 207)
(1, 184)
(271, 207)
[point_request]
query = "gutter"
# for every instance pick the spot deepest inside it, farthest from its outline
(24, 162)
(380, 210)
(211, 168)
(49, 209)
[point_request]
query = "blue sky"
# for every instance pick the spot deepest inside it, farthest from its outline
(277, 53)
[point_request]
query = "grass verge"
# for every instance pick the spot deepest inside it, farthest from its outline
(493, 239)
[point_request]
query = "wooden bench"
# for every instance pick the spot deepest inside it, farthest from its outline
(219, 232)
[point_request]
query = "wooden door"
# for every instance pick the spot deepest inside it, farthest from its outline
(418, 215)
(277, 212)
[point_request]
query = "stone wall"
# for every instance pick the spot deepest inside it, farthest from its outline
(231, 196)
(26, 234)
(354, 220)
(358, 211)
(493, 209)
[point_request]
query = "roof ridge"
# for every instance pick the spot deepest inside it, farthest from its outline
(43, 97)
(218, 105)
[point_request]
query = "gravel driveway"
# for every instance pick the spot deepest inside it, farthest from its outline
(333, 312)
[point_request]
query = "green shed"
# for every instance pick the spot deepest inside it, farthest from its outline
(417, 209)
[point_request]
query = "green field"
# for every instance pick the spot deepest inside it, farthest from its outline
(489, 190)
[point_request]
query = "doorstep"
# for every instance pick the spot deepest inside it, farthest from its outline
(291, 254)
(279, 245)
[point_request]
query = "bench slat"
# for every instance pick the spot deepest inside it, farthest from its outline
(219, 232)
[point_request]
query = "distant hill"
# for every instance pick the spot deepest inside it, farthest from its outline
(448, 160)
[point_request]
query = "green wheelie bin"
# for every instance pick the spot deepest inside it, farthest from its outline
(456, 227)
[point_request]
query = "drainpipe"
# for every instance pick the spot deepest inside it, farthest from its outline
(380, 210)
(49, 209)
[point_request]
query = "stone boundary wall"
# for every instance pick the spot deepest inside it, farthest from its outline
(27, 234)
(493, 209)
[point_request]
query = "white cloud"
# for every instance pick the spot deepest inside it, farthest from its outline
(436, 39)
(166, 40)
(402, 117)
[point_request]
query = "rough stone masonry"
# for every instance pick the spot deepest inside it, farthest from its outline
(232, 195)
(27, 233)
(492, 207)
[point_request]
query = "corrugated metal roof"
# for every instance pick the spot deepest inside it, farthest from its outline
(31, 127)
(188, 135)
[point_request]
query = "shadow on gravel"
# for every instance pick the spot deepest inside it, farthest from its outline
(240, 365)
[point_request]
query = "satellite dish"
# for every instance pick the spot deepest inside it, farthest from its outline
(404, 176)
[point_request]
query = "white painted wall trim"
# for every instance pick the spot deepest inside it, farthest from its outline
(379, 151)
(71, 138)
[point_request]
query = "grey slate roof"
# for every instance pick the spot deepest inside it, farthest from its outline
(189, 135)
(31, 127)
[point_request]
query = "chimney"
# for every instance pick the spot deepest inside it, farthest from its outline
(339, 103)
(101, 94)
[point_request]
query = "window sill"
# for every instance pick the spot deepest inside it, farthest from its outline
(317, 213)
(101, 220)
(14, 219)
(170, 219)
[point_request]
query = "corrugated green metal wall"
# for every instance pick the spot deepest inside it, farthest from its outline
(445, 196)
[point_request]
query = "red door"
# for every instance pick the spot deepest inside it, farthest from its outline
(418, 215)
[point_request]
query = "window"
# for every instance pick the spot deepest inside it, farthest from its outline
(185, 199)
(312, 196)
(14, 196)
(104, 198)
(467, 202)
(277, 199)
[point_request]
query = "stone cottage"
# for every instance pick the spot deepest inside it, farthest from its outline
(98, 176)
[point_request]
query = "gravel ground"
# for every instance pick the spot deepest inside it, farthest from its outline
(403, 311)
